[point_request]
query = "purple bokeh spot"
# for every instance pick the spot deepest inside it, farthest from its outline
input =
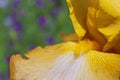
(8, 22)
(42, 20)
(16, 3)
(40, 3)
(2, 76)
(17, 27)
(31, 46)
(3, 3)
(5, 75)
(8, 58)
(49, 40)
(55, 12)
(13, 16)
(12, 21)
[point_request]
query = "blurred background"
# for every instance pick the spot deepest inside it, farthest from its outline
(25, 24)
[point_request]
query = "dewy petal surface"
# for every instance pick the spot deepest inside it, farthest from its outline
(59, 62)
(98, 19)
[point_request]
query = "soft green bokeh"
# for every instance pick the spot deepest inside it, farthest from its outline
(32, 34)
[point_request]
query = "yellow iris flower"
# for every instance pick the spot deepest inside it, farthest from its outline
(90, 54)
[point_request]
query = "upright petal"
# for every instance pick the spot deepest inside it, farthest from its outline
(103, 22)
(92, 21)
(78, 14)
(111, 31)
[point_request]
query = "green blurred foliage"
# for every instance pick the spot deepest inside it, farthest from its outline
(21, 28)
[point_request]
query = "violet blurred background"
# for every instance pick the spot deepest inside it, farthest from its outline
(25, 24)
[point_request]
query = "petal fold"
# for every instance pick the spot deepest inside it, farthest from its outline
(78, 14)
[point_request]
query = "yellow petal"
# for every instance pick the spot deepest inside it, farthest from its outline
(70, 37)
(111, 7)
(111, 31)
(112, 34)
(78, 14)
(93, 22)
(59, 62)
(39, 62)
(103, 22)
(104, 66)
(100, 19)
(22, 69)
